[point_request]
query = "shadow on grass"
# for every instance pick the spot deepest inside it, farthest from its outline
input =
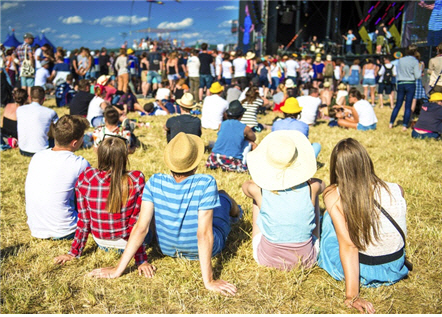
(11, 251)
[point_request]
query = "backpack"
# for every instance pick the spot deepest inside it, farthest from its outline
(26, 69)
(388, 75)
(328, 72)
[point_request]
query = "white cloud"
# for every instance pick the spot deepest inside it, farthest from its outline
(9, 5)
(226, 8)
(224, 32)
(225, 24)
(176, 25)
(69, 36)
(72, 20)
(47, 30)
(97, 42)
(110, 21)
(190, 35)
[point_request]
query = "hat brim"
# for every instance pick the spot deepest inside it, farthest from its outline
(268, 177)
(286, 110)
(200, 152)
(290, 86)
(216, 91)
(434, 100)
(250, 56)
(185, 106)
(236, 114)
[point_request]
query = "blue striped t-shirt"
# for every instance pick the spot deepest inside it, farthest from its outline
(435, 22)
(176, 208)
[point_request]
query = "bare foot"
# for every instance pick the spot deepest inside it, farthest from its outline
(390, 126)
(404, 129)
(234, 209)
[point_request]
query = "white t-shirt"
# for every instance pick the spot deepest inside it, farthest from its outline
(292, 66)
(226, 69)
(383, 70)
(41, 76)
(95, 109)
(2, 59)
(213, 110)
(218, 62)
(274, 70)
(240, 65)
(33, 122)
(193, 66)
(50, 193)
(365, 112)
(37, 62)
(163, 93)
(310, 107)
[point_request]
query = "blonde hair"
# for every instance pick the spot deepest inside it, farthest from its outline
(351, 169)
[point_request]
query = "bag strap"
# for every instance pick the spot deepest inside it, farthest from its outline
(393, 222)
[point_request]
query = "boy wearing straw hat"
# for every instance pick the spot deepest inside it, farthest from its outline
(192, 218)
(235, 140)
(214, 106)
(185, 122)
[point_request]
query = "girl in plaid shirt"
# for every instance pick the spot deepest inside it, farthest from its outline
(108, 201)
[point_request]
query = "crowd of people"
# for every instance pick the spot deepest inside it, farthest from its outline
(361, 236)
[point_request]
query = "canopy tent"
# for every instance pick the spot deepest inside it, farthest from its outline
(11, 41)
(42, 41)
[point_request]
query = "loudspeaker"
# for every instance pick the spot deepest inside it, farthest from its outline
(287, 17)
(359, 48)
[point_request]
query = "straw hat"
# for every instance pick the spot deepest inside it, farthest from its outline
(326, 84)
(102, 80)
(318, 59)
(289, 83)
(284, 159)
(235, 108)
(184, 152)
(187, 101)
(216, 88)
(291, 105)
(342, 86)
(329, 58)
(437, 96)
(250, 55)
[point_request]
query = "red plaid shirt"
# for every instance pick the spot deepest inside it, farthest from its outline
(92, 190)
(20, 51)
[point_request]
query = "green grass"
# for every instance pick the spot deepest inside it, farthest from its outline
(32, 283)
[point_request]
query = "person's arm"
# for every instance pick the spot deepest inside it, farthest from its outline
(348, 253)
(160, 103)
(136, 239)
(205, 245)
(89, 64)
(251, 190)
(249, 135)
(103, 105)
(344, 37)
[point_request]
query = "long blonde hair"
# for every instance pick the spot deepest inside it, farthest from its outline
(112, 158)
(352, 171)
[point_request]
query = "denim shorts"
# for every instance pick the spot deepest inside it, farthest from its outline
(366, 128)
(388, 88)
(151, 75)
(369, 82)
(206, 81)
(27, 81)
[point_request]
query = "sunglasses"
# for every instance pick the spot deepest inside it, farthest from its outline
(116, 136)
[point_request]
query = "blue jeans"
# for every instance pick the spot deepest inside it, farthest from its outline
(206, 81)
(433, 135)
(348, 48)
(316, 148)
(366, 128)
(404, 91)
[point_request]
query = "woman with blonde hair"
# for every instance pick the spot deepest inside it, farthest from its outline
(359, 241)
(108, 201)
(172, 70)
(122, 72)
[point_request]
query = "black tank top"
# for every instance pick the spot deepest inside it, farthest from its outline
(172, 70)
(9, 127)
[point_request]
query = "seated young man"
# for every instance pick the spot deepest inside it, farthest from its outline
(185, 122)
(111, 127)
(50, 183)
(80, 103)
(65, 92)
(155, 109)
(192, 219)
(235, 140)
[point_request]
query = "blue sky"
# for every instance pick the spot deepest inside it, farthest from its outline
(94, 24)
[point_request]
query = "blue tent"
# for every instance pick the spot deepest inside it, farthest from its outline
(11, 41)
(43, 40)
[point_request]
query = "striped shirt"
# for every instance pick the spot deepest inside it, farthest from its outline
(249, 117)
(176, 212)
(435, 22)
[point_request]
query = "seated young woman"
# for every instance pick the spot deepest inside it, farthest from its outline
(108, 201)
(285, 201)
(9, 117)
(362, 114)
(358, 242)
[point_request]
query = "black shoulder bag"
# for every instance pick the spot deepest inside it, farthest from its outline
(407, 263)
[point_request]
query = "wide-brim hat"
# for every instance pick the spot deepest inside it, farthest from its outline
(187, 101)
(437, 96)
(250, 55)
(326, 84)
(342, 86)
(283, 159)
(102, 80)
(184, 152)
(216, 88)
(291, 105)
(289, 83)
(235, 108)
(329, 58)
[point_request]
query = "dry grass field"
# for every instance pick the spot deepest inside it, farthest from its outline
(32, 283)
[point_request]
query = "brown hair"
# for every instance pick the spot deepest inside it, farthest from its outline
(69, 128)
(355, 93)
(111, 115)
(123, 52)
(37, 93)
(351, 169)
(112, 158)
(20, 96)
(181, 82)
(84, 85)
(251, 95)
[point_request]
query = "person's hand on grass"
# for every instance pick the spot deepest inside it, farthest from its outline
(222, 287)
(146, 269)
(360, 304)
(106, 272)
(62, 259)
